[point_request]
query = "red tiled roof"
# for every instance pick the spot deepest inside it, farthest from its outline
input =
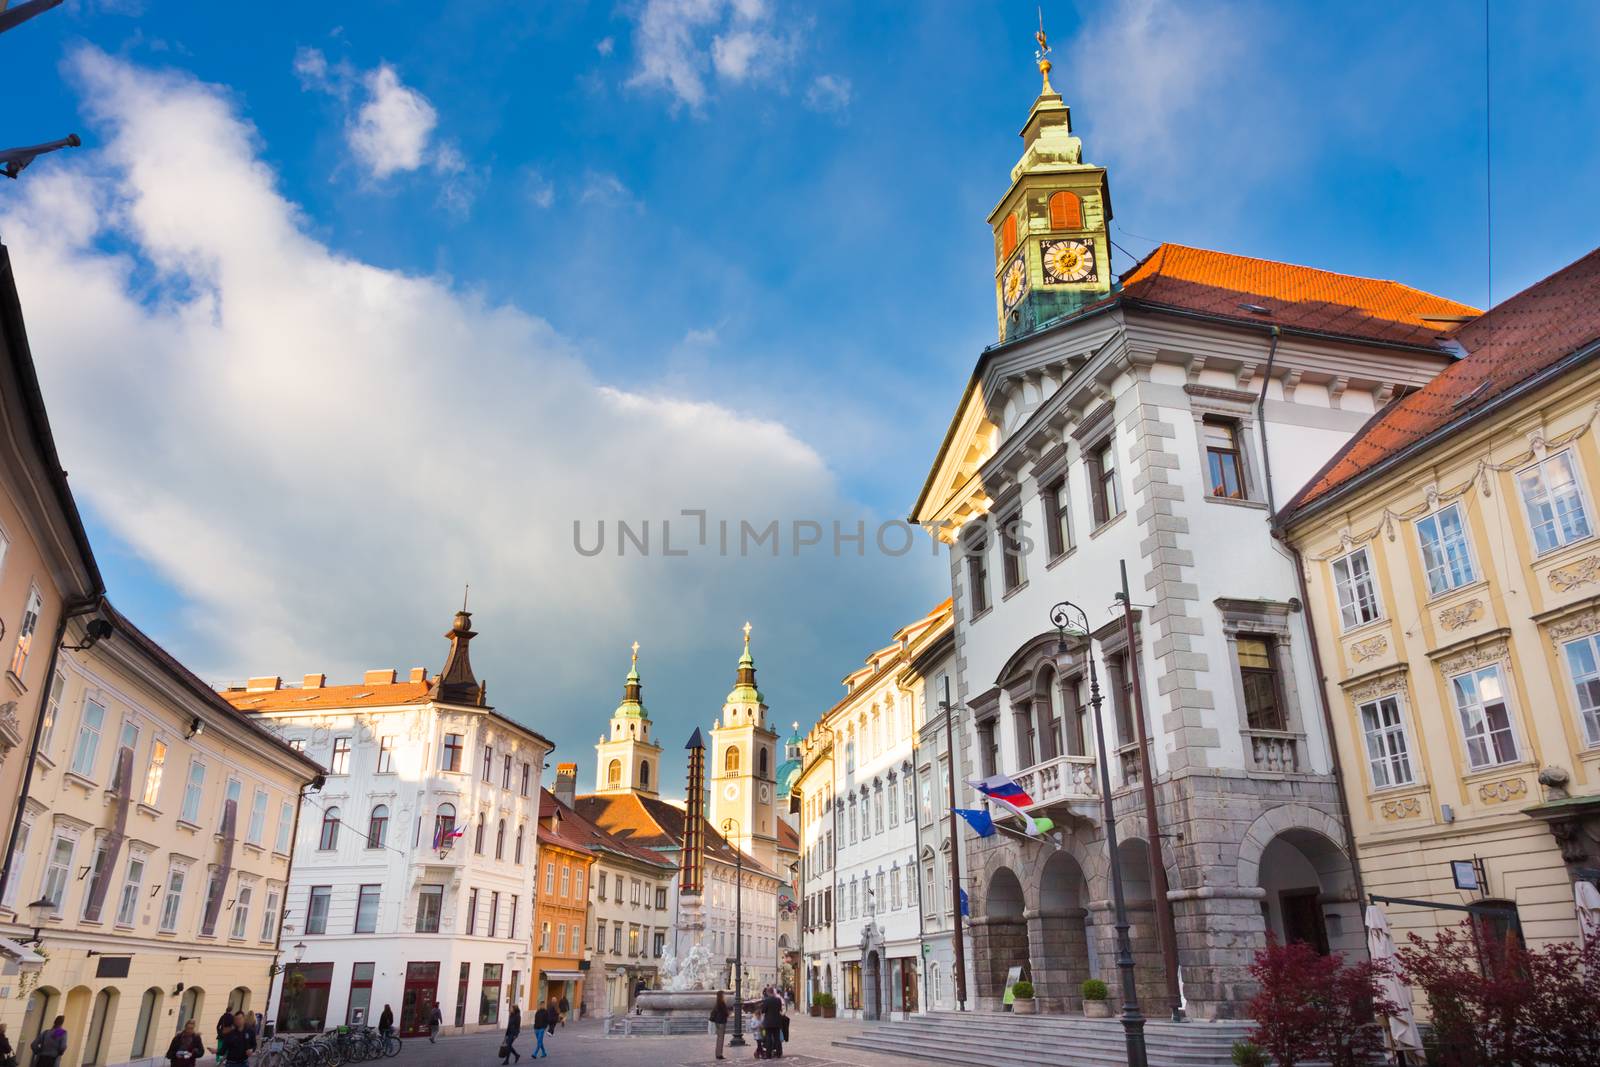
(328, 696)
(656, 824)
(1506, 346)
(788, 837)
(1302, 298)
(580, 831)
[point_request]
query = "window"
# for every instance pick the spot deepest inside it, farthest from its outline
(1555, 504)
(269, 917)
(566, 881)
(978, 574)
(430, 906)
(358, 1009)
(1222, 457)
(988, 748)
(527, 778)
(544, 937)
(908, 790)
(1485, 717)
(1358, 592)
(128, 739)
(489, 1001)
(450, 755)
(297, 744)
(132, 880)
(1008, 235)
(385, 755)
(633, 887)
(477, 836)
(644, 773)
(505, 773)
(461, 994)
(241, 913)
(88, 745)
(367, 909)
(1011, 549)
(1057, 519)
(52, 709)
(30, 622)
(256, 830)
(1583, 660)
(193, 792)
(1258, 670)
(661, 899)
(1102, 463)
(600, 936)
(340, 764)
(329, 838)
(511, 919)
(19, 859)
(488, 763)
(378, 826)
(614, 774)
(231, 795)
(658, 946)
(444, 826)
(601, 890)
(1066, 211)
(561, 938)
(500, 841)
(212, 901)
(518, 857)
(152, 775)
(1387, 752)
(550, 878)
(285, 827)
(317, 909)
(1445, 555)
(472, 911)
(58, 870)
(172, 902)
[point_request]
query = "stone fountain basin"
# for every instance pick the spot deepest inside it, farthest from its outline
(679, 1002)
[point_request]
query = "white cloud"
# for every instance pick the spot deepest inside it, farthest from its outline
(316, 452)
(391, 129)
(703, 336)
(605, 45)
(828, 92)
(680, 43)
(603, 187)
(541, 191)
(734, 54)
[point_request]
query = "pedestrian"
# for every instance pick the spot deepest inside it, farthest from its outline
(566, 1006)
(508, 1051)
(187, 1048)
(236, 1043)
(541, 1024)
(772, 1022)
(8, 1055)
(386, 1021)
(435, 1020)
(51, 1045)
(719, 1019)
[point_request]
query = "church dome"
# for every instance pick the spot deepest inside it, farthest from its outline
(789, 769)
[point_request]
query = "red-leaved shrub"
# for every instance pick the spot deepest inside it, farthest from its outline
(1316, 1007)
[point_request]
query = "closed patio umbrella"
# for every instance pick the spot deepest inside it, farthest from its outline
(1588, 902)
(1402, 1032)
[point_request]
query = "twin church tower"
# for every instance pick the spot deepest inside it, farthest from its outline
(743, 761)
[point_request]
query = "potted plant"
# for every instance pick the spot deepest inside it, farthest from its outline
(1023, 1004)
(1248, 1054)
(825, 1002)
(1095, 1004)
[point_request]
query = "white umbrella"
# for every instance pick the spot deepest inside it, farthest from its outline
(1588, 902)
(1403, 1034)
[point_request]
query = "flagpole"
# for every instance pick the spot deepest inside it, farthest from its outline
(955, 848)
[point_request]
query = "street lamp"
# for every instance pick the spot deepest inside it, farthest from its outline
(738, 933)
(1062, 617)
(38, 911)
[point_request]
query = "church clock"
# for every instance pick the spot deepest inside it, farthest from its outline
(1067, 261)
(1014, 283)
(731, 791)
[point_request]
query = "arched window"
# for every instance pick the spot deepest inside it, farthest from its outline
(1008, 236)
(764, 762)
(519, 844)
(477, 838)
(644, 773)
(730, 760)
(148, 1006)
(1066, 211)
(444, 826)
(614, 774)
(330, 830)
(378, 827)
(500, 841)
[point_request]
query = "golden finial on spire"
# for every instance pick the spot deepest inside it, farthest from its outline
(747, 634)
(1042, 54)
(636, 653)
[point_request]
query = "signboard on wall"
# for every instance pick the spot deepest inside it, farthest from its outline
(1013, 976)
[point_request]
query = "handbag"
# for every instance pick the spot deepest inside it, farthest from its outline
(505, 1050)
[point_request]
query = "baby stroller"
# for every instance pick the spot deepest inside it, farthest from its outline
(769, 1044)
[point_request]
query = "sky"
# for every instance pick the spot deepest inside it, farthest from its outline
(340, 309)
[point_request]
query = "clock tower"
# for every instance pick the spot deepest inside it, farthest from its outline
(628, 761)
(1052, 248)
(744, 768)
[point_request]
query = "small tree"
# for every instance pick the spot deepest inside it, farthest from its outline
(1314, 1007)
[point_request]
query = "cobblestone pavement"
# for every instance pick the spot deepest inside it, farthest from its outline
(810, 1045)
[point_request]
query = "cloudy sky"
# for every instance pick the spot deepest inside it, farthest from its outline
(340, 309)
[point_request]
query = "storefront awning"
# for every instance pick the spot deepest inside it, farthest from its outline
(562, 976)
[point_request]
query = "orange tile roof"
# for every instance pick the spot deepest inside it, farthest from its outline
(1517, 340)
(788, 837)
(328, 696)
(1301, 298)
(576, 828)
(656, 824)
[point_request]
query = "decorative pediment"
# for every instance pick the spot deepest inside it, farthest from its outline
(954, 491)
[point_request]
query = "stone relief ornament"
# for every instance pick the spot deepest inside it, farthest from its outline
(1403, 808)
(1473, 658)
(1585, 571)
(1371, 648)
(1503, 790)
(1579, 625)
(1454, 618)
(1391, 682)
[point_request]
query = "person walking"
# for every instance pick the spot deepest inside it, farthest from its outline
(236, 1044)
(386, 1021)
(8, 1055)
(565, 1006)
(719, 1019)
(541, 1023)
(513, 1028)
(772, 1022)
(435, 1020)
(187, 1047)
(51, 1045)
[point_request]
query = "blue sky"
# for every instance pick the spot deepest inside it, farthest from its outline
(338, 309)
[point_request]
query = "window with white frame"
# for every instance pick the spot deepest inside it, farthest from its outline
(132, 880)
(1358, 591)
(172, 901)
(19, 857)
(1485, 716)
(1446, 556)
(241, 913)
(1554, 502)
(52, 711)
(193, 793)
(58, 870)
(1583, 660)
(269, 917)
(1388, 753)
(87, 746)
(285, 827)
(153, 773)
(30, 623)
(256, 833)
(386, 755)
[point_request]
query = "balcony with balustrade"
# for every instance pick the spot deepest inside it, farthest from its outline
(1069, 782)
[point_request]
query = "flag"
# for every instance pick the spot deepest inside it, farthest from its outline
(966, 910)
(981, 822)
(1008, 794)
(443, 837)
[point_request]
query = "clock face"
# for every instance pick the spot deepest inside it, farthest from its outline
(1067, 261)
(766, 792)
(1014, 283)
(731, 790)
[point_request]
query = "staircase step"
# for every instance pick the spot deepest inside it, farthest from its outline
(1007, 1040)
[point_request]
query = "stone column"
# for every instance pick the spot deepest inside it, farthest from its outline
(998, 945)
(1058, 951)
(1220, 928)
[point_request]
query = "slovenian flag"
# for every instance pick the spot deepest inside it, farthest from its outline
(443, 837)
(1003, 791)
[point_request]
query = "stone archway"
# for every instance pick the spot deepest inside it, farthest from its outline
(1058, 943)
(872, 976)
(999, 935)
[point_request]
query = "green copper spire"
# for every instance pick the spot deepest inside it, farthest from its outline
(744, 686)
(632, 706)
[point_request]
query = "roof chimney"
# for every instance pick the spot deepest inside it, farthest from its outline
(566, 783)
(419, 674)
(314, 681)
(378, 677)
(263, 684)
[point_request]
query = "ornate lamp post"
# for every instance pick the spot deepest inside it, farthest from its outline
(1068, 617)
(738, 933)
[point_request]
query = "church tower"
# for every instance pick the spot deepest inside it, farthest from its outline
(628, 761)
(744, 767)
(1052, 248)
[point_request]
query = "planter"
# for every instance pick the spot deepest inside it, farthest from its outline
(816, 1010)
(828, 1011)
(1097, 1009)
(1025, 1007)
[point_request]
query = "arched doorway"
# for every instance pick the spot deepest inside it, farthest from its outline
(999, 935)
(101, 1022)
(238, 1000)
(872, 1003)
(44, 1004)
(1058, 939)
(79, 1002)
(194, 999)
(145, 1037)
(1310, 892)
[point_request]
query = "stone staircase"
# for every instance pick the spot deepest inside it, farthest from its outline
(655, 1025)
(1006, 1040)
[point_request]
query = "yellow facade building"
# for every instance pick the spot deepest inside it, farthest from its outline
(1451, 559)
